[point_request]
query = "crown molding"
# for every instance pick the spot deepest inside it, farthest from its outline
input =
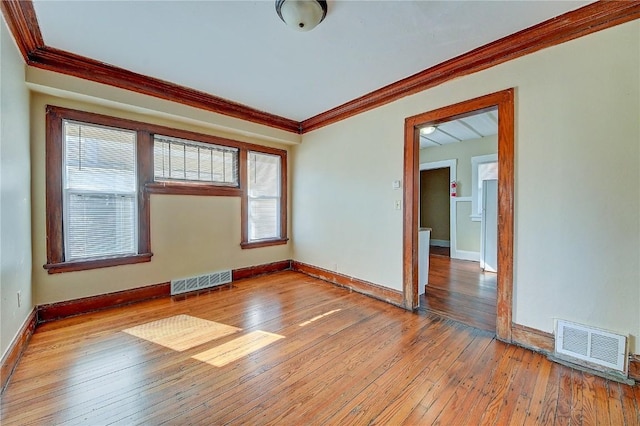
(21, 18)
(577, 23)
(22, 21)
(64, 62)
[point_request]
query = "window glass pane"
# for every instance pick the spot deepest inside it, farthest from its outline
(99, 158)
(264, 196)
(264, 175)
(184, 160)
(100, 225)
(100, 191)
(263, 219)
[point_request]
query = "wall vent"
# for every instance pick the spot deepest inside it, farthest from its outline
(214, 279)
(591, 347)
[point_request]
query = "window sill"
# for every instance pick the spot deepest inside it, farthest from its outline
(191, 189)
(83, 265)
(264, 243)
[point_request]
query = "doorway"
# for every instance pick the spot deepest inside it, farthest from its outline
(504, 102)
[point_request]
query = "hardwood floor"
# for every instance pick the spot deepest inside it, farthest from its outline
(460, 290)
(289, 349)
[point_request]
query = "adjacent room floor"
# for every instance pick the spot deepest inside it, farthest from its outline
(290, 349)
(460, 290)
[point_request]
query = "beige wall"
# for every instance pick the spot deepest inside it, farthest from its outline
(434, 203)
(577, 173)
(190, 235)
(467, 231)
(15, 207)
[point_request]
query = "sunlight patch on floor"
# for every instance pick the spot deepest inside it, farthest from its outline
(237, 348)
(316, 318)
(181, 332)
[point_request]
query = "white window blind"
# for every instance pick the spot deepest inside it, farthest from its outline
(100, 214)
(184, 160)
(263, 196)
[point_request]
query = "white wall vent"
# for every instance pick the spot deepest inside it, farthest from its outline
(595, 347)
(185, 285)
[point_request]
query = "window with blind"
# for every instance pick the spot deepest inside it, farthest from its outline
(263, 196)
(184, 160)
(101, 171)
(99, 192)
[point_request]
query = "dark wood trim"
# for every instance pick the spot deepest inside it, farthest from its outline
(264, 243)
(284, 190)
(16, 348)
(411, 176)
(597, 16)
(506, 213)
(578, 23)
(244, 202)
(634, 367)
(146, 185)
(504, 101)
(70, 308)
(385, 294)
(21, 19)
(176, 188)
(85, 265)
(254, 271)
(532, 338)
(140, 126)
(68, 63)
(56, 262)
(144, 162)
(53, 187)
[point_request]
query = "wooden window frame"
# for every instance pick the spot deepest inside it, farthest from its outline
(145, 132)
(282, 239)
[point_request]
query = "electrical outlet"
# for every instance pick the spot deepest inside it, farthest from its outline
(19, 298)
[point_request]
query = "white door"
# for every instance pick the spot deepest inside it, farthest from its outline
(489, 228)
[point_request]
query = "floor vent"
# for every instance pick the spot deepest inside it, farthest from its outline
(185, 285)
(591, 347)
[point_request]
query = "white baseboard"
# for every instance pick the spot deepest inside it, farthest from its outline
(440, 243)
(465, 255)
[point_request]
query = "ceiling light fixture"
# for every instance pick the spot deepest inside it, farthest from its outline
(427, 130)
(303, 15)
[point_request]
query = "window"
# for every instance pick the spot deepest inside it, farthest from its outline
(483, 167)
(264, 196)
(101, 171)
(99, 192)
(264, 203)
(97, 211)
(184, 160)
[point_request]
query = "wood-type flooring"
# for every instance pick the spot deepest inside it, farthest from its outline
(292, 350)
(460, 290)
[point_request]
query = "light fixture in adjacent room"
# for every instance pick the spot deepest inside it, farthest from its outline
(427, 130)
(303, 15)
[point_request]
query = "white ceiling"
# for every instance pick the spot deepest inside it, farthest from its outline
(241, 51)
(476, 126)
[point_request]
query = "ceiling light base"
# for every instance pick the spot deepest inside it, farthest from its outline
(302, 15)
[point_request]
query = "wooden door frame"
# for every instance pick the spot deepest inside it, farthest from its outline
(504, 101)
